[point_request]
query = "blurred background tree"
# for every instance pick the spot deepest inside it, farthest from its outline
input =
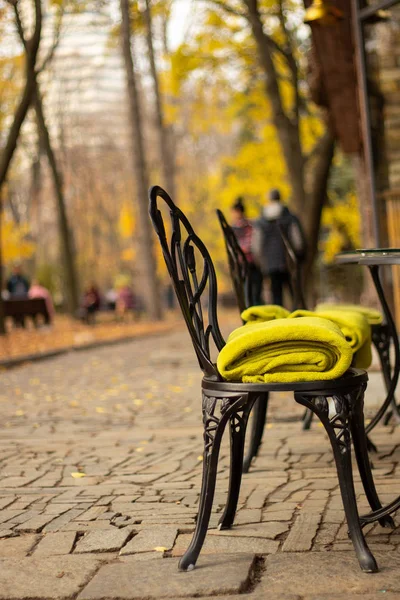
(222, 107)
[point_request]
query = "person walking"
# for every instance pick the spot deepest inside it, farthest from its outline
(243, 230)
(268, 246)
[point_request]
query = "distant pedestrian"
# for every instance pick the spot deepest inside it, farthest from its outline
(111, 297)
(90, 303)
(269, 248)
(39, 291)
(17, 284)
(244, 233)
(125, 301)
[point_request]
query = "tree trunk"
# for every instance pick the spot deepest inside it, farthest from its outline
(2, 323)
(287, 129)
(31, 51)
(147, 257)
(67, 253)
(318, 193)
(166, 153)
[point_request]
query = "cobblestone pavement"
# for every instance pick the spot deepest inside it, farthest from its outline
(100, 474)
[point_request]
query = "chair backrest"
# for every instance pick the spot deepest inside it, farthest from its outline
(181, 253)
(239, 268)
(296, 272)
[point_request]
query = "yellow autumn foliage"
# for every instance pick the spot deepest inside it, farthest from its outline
(342, 219)
(127, 221)
(15, 243)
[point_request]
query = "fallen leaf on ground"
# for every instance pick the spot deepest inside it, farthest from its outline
(78, 475)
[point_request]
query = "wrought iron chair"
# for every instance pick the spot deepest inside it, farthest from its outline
(382, 337)
(240, 275)
(337, 403)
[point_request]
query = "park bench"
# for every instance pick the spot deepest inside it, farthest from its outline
(338, 403)
(20, 308)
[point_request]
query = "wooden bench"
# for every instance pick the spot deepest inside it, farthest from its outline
(21, 308)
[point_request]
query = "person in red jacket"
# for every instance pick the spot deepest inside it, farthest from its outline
(243, 230)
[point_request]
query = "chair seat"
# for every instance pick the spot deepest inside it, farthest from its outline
(351, 377)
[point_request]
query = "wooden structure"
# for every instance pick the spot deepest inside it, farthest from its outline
(333, 80)
(19, 309)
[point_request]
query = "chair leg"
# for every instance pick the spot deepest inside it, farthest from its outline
(334, 415)
(307, 419)
(381, 339)
(361, 451)
(238, 424)
(257, 430)
(213, 430)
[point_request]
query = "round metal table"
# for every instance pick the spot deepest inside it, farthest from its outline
(374, 258)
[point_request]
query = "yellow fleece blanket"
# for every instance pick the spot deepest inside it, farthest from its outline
(285, 351)
(354, 327)
(264, 312)
(374, 317)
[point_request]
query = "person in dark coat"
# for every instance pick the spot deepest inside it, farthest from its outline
(18, 284)
(243, 230)
(269, 248)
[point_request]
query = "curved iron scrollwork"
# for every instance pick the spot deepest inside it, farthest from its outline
(180, 257)
(224, 406)
(334, 414)
(238, 265)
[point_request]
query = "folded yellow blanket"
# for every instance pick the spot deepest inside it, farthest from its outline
(285, 351)
(264, 312)
(374, 317)
(355, 329)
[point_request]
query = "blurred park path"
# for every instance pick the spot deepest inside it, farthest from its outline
(68, 333)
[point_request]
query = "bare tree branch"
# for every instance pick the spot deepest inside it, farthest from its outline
(291, 61)
(31, 50)
(227, 8)
(57, 36)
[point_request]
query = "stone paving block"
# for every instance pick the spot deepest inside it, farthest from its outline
(16, 516)
(36, 524)
(378, 596)
(63, 520)
(103, 541)
(225, 544)
(255, 596)
(318, 572)
(302, 533)
(17, 547)
(168, 520)
(5, 533)
(58, 509)
(56, 578)
(260, 530)
(130, 580)
(6, 501)
(246, 515)
(92, 513)
(54, 544)
(150, 538)
(82, 527)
